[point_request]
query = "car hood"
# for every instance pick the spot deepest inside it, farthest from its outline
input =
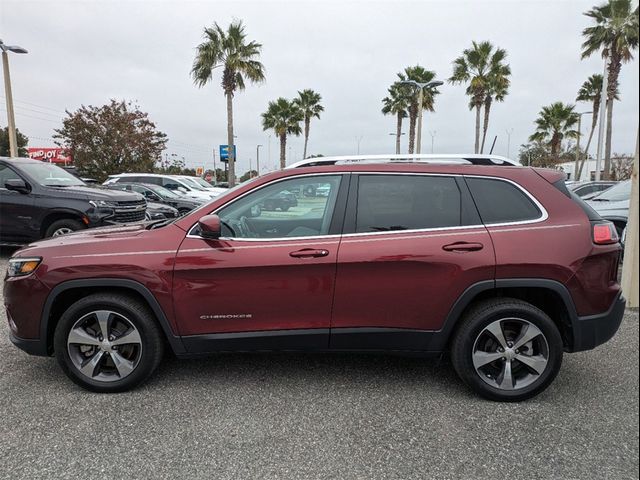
(98, 193)
(620, 208)
(159, 207)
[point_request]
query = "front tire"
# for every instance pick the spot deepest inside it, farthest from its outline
(62, 227)
(108, 342)
(507, 350)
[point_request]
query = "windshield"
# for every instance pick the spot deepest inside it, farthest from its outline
(617, 193)
(201, 181)
(163, 192)
(50, 175)
(192, 183)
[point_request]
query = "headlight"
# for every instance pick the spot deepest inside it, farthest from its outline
(19, 267)
(102, 204)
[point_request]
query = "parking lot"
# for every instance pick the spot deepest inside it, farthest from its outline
(319, 416)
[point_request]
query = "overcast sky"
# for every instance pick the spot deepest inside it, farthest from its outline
(88, 52)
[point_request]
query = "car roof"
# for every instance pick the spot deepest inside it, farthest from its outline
(21, 160)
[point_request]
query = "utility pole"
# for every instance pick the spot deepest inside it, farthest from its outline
(630, 262)
(11, 118)
(358, 140)
(603, 108)
(258, 159)
(433, 136)
(509, 132)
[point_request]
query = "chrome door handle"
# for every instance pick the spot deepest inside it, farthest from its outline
(309, 253)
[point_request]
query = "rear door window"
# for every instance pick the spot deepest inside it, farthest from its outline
(499, 201)
(407, 202)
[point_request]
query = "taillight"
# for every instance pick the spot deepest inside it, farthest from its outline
(604, 233)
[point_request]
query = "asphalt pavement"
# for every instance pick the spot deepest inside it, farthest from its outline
(319, 416)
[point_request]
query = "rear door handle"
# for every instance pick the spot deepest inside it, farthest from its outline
(463, 247)
(309, 253)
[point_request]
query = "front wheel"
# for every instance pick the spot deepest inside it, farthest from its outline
(108, 342)
(62, 227)
(507, 350)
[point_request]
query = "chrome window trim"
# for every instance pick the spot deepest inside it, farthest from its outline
(277, 239)
(544, 214)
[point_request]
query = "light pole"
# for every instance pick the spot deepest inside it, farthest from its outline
(257, 159)
(433, 137)
(11, 119)
(397, 135)
(421, 86)
(358, 140)
(577, 165)
(601, 121)
(509, 132)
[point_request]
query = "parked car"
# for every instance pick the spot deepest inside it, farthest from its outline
(199, 182)
(158, 194)
(499, 265)
(282, 200)
(39, 200)
(170, 182)
(587, 190)
(159, 211)
(613, 204)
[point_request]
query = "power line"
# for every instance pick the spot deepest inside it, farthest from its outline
(35, 105)
(32, 116)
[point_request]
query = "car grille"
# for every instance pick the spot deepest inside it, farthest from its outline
(130, 211)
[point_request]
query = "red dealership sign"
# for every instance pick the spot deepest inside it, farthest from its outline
(51, 155)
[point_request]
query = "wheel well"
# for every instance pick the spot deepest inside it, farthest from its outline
(68, 297)
(546, 299)
(54, 217)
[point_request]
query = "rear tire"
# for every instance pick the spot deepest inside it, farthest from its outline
(507, 350)
(108, 342)
(62, 227)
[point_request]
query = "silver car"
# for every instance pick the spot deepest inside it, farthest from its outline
(613, 204)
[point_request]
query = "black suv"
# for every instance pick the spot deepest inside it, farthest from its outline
(39, 200)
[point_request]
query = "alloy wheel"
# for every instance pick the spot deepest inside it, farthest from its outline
(510, 354)
(104, 345)
(61, 231)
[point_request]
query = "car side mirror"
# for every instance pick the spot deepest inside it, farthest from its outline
(17, 185)
(210, 227)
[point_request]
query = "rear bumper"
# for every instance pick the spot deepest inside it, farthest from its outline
(594, 330)
(29, 345)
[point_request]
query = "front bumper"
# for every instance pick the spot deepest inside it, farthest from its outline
(594, 330)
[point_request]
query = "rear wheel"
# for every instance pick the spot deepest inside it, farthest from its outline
(108, 342)
(62, 227)
(507, 350)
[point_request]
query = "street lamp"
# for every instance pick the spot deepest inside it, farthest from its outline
(421, 86)
(11, 119)
(509, 133)
(257, 160)
(397, 135)
(433, 137)
(577, 165)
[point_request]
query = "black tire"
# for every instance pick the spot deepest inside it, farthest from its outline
(65, 223)
(284, 208)
(269, 206)
(472, 326)
(183, 211)
(140, 317)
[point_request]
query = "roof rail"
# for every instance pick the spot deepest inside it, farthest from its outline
(471, 158)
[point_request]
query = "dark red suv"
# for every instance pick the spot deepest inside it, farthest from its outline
(499, 265)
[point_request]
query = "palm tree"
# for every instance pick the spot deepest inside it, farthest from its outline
(309, 102)
(283, 117)
(239, 60)
(555, 123)
(615, 33)
(497, 87)
(591, 91)
(483, 69)
(397, 103)
(421, 75)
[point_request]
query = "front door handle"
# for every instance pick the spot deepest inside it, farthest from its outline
(309, 253)
(463, 247)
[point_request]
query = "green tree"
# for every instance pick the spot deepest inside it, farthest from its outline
(114, 138)
(309, 102)
(283, 117)
(615, 35)
(248, 175)
(397, 103)
(591, 91)
(22, 141)
(482, 67)
(421, 75)
(238, 59)
(555, 122)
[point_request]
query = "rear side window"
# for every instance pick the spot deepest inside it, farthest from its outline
(405, 202)
(501, 202)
